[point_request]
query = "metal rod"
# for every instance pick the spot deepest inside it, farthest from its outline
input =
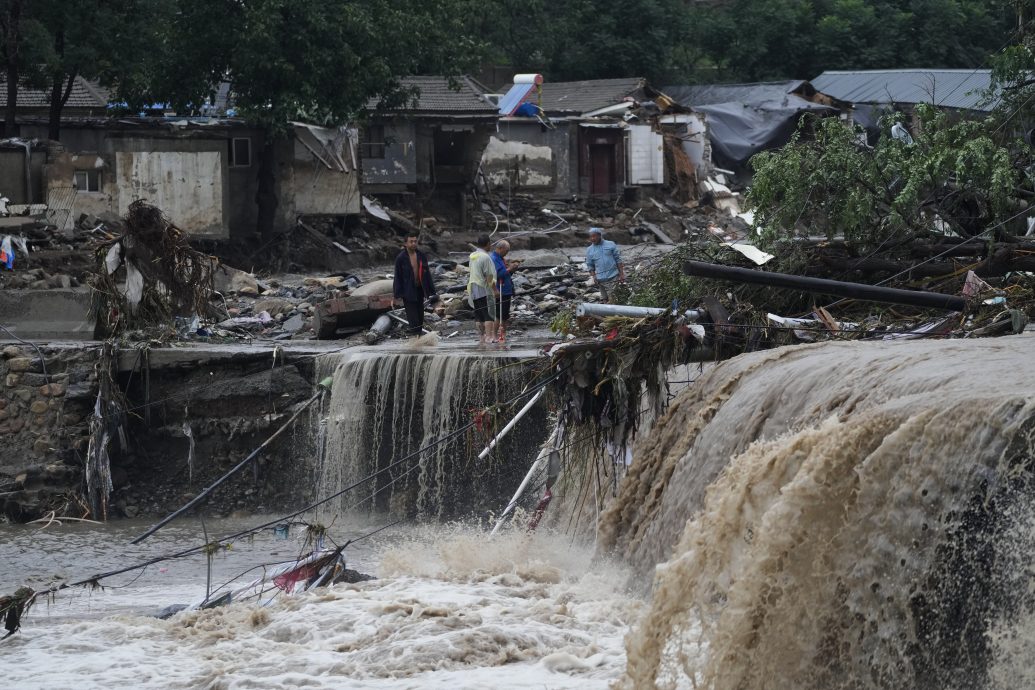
(511, 423)
(593, 309)
(861, 291)
(324, 386)
(543, 454)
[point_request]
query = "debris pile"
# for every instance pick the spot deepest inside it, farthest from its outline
(150, 274)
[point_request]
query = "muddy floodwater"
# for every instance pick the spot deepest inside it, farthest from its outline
(450, 609)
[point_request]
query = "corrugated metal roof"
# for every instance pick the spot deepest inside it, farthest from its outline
(583, 96)
(437, 97)
(710, 94)
(84, 94)
(950, 88)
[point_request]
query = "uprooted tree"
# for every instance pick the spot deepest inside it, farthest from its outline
(954, 178)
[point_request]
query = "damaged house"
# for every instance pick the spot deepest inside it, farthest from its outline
(587, 138)
(744, 119)
(427, 152)
(874, 93)
(200, 170)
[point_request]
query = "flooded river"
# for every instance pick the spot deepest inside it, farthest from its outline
(450, 608)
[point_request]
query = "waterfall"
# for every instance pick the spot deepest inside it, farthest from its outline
(387, 405)
(843, 515)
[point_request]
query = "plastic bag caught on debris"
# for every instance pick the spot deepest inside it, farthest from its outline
(113, 259)
(6, 253)
(134, 290)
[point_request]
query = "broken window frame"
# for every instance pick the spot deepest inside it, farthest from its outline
(233, 157)
(374, 143)
(87, 180)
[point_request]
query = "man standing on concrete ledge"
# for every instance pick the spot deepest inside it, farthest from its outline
(482, 291)
(413, 283)
(604, 263)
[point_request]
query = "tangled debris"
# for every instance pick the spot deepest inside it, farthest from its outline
(150, 274)
(14, 606)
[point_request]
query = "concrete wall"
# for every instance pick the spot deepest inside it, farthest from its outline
(186, 185)
(185, 177)
(518, 165)
(12, 175)
(399, 166)
(564, 153)
(646, 156)
(188, 175)
(65, 201)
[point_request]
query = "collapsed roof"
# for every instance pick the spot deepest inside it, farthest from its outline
(744, 119)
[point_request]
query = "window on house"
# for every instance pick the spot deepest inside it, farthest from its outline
(87, 180)
(373, 145)
(240, 152)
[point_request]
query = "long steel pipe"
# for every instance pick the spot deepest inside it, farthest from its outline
(605, 310)
(870, 293)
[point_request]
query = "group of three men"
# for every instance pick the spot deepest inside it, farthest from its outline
(489, 281)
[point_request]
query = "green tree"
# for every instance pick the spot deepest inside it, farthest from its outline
(586, 39)
(100, 40)
(797, 39)
(831, 184)
(22, 37)
(318, 60)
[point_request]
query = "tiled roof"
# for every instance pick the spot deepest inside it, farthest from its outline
(84, 94)
(436, 96)
(949, 88)
(584, 96)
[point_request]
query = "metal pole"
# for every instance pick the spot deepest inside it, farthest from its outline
(861, 291)
(543, 454)
(604, 310)
(325, 385)
(511, 423)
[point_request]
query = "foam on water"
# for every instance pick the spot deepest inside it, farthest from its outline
(452, 610)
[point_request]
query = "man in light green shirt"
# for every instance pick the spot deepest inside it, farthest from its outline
(482, 291)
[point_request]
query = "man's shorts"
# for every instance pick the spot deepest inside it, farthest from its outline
(505, 307)
(481, 309)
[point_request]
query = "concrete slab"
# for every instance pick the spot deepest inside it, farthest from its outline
(62, 314)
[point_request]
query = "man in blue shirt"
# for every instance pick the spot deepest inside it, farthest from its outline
(506, 285)
(604, 263)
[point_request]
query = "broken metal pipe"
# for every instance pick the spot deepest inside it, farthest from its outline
(510, 425)
(605, 310)
(860, 291)
(544, 454)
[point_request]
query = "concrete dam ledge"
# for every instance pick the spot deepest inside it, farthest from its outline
(190, 412)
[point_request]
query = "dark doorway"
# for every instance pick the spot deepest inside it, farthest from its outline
(601, 168)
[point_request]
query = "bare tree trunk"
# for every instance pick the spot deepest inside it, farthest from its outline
(265, 195)
(12, 30)
(59, 92)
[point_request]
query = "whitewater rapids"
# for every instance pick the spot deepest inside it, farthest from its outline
(451, 610)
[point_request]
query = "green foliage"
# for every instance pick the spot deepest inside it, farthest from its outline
(321, 60)
(753, 40)
(829, 184)
(587, 39)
